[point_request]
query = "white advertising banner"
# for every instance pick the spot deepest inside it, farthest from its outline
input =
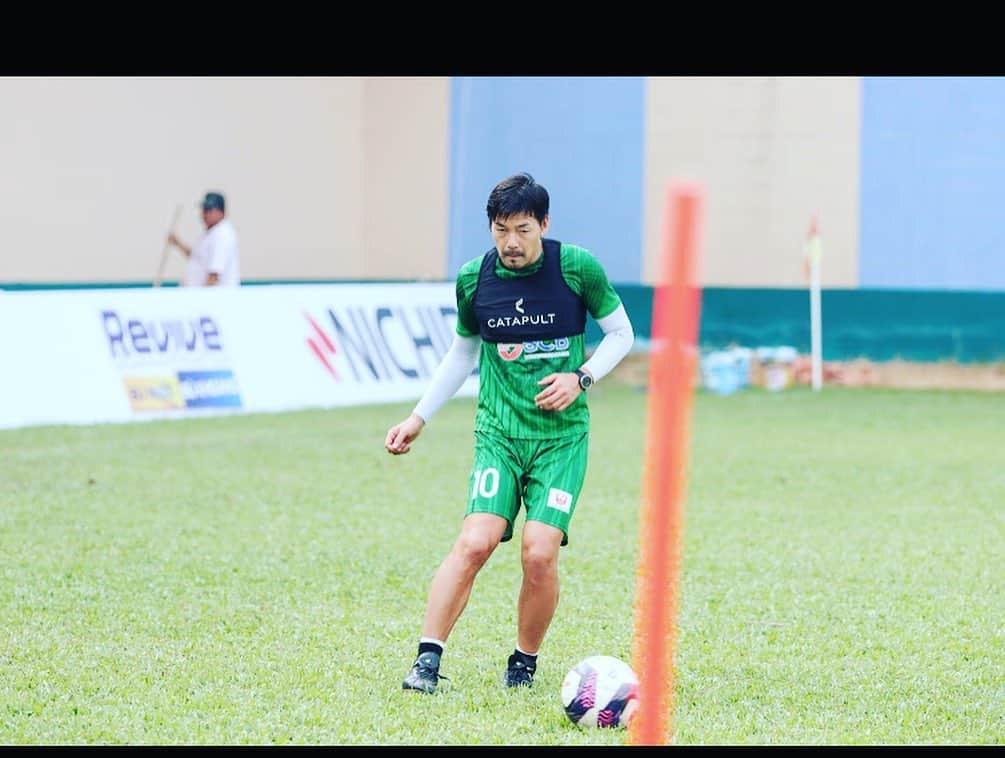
(110, 355)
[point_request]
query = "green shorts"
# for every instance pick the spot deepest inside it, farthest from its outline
(545, 476)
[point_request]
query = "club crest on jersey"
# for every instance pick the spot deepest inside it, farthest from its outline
(509, 352)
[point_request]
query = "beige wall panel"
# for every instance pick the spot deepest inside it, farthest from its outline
(405, 177)
(770, 152)
(94, 167)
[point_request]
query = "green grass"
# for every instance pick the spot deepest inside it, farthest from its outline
(261, 579)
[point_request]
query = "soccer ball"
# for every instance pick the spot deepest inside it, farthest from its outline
(600, 691)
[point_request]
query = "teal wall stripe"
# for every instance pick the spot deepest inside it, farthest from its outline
(907, 324)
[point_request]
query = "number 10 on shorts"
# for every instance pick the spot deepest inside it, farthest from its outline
(486, 483)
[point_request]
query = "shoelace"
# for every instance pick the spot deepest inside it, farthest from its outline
(522, 670)
(422, 667)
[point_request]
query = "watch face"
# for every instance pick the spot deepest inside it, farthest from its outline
(585, 381)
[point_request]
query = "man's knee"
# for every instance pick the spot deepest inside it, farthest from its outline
(479, 537)
(539, 552)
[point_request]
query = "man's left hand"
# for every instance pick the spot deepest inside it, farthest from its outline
(562, 389)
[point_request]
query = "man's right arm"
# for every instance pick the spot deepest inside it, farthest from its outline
(454, 369)
(173, 239)
(456, 366)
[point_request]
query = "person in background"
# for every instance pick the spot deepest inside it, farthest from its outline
(214, 260)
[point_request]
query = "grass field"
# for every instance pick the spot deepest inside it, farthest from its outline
(261, 579)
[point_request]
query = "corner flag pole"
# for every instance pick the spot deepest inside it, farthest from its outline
(672, 356)
(813, 253)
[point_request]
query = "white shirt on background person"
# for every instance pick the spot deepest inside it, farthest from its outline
(216, 250)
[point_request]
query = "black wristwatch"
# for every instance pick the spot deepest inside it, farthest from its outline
(585, 380)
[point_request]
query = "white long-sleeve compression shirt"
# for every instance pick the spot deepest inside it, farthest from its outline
(618, 340)
(460, 359)
(456, 366)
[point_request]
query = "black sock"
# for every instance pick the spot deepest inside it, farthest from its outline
(530, 661)
(430, 647)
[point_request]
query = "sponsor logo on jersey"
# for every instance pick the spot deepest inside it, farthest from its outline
(559, 499)
(533, 351)
(534, 319)
(509, 352)
(519, 305)
(556, 348)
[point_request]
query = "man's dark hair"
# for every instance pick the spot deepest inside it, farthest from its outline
(518, 194)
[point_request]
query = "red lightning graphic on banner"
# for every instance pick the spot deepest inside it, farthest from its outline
(321, 345)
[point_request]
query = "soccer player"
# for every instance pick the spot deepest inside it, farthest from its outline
(521, 315)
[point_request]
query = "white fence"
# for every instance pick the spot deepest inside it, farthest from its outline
(115, 355)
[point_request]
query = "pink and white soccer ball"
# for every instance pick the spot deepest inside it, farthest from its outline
(600, 691)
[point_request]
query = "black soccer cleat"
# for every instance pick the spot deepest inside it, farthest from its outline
(519, 673)
(424, 674)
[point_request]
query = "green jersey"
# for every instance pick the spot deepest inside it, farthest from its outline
(532, 324)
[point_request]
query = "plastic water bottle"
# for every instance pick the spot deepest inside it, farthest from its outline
(719, 373)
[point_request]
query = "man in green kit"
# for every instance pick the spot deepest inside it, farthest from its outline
(521, 315)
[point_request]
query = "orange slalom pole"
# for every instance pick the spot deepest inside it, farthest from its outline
(673, 351)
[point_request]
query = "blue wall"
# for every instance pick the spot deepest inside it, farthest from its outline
(932, 199)
(581, 137)
(932, 190)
